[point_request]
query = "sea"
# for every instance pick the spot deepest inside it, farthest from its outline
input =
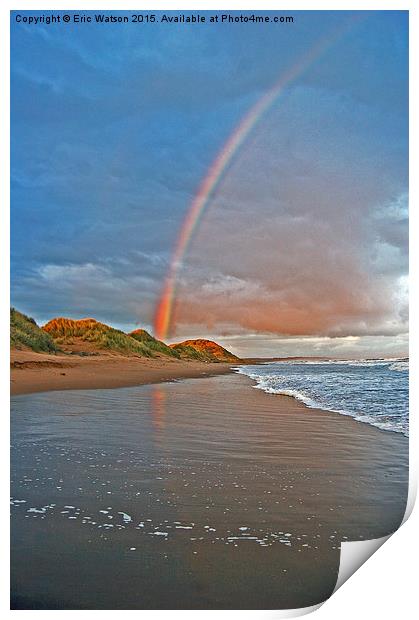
(374, 391)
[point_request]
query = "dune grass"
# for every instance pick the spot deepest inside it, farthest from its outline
(204, 351)
(26, 334)
(70, 331)
(77, 335)
(141, 335)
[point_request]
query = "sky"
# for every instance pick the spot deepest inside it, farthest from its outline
(302, 247)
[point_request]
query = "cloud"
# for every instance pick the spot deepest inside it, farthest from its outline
(302, 237)
(112, 133)
(118, 291)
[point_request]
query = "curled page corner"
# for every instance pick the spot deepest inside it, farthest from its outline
(354, 554)
(411, 495)
(294, 613)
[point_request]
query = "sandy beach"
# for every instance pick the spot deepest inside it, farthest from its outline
(40, 372)
(196, 494)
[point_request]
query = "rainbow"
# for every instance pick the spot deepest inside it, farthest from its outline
(163, 314)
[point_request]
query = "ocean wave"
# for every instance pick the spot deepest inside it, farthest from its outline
(388, 361)
(372, 396)
(400, 366)
(309, 402)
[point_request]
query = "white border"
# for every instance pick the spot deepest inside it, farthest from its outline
(385, 586)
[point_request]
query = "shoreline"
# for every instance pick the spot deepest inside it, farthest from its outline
(32, 372)
(324, 410)
(229, 498)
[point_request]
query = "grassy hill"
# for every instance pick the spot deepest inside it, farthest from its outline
(204, 350)
(89, 334)
(26, 334)
(157, 346)
(88, 337)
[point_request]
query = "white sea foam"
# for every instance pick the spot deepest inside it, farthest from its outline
(400, 366)
(126, 518)
(183, 527)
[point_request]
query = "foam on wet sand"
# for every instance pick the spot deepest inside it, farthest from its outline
(213, 483)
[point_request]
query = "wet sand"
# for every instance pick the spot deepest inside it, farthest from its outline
(194, 494)
(40, 372)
